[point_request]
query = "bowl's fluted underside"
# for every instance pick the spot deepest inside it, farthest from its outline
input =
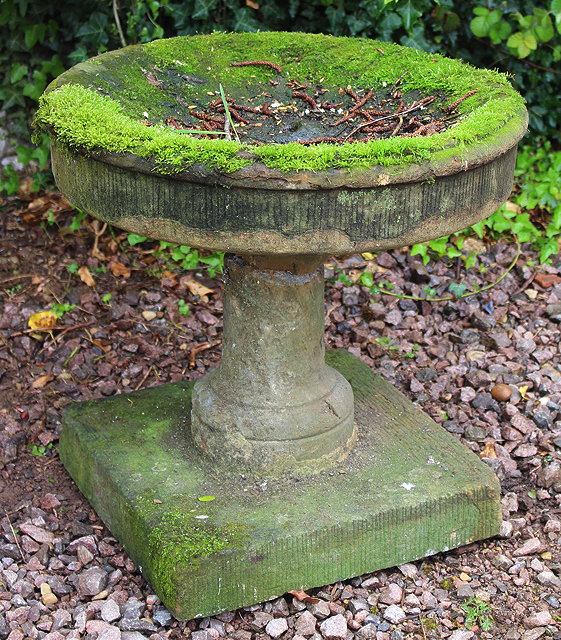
(290, 221)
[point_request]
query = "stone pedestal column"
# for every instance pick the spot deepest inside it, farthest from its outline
(273, 403)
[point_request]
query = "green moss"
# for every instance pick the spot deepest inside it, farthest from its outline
(177, 539)
(99, 107)
(447, 584)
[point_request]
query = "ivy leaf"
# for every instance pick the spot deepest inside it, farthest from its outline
(457, 289)
(416, 39)
(451, 22)
(549, 248)
(34, 34)
(366, 279)
(203, 8)
(420, 249)
(135, 238)
(94, 31)
(245, 21)
(409, 13)
(390, 22)
(17, 72)
(79, 54)
(35, 88)
(470, 260)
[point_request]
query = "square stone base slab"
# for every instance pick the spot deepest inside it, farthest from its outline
(408, 490)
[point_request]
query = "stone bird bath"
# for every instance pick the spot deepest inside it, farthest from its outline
(320, 471)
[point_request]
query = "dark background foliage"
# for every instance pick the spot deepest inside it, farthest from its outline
(41, 39)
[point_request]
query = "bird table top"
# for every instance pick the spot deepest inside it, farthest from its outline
(282, 112)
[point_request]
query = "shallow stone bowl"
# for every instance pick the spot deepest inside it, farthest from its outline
(278, 197)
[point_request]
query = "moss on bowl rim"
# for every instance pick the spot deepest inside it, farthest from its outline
(98, 106)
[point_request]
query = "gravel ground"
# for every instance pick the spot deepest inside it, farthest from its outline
(62, 575)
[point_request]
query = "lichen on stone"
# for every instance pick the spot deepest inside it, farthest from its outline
(177, 539)
(100, 105)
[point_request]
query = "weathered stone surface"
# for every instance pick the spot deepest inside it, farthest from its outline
(276, 627)
(91, 581)
(539, 619)
(292, 410)
(334, 628)
(321, 221)
(306, 623)
(106, 441)
(394, 614)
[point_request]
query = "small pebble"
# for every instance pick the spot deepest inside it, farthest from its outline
(501, 392)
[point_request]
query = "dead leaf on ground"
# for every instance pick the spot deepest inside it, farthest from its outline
(198, 289)
(42, 203)
(474, 244)
(86, 276)
(303, 596)
(488, 450)
(119, 269)
(473, 355)
(512, 207)
(374, 267)
(42, 320)
(41, 381)
(546, 280)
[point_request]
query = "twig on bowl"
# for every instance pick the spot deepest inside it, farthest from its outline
(229, 122)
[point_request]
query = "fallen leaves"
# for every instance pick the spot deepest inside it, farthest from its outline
(118, 269)
(197, 349)
(473, 355)
(488, 450)
(546, 280)
(474, 244)
(86, 276)
(198, 289)
(42, 321)
(41, 381)
(303, 596)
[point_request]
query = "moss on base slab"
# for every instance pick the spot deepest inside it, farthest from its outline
(409, 489)
(99, 105)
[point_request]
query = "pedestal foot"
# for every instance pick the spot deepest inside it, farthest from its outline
(409, 489)
(273, 404)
